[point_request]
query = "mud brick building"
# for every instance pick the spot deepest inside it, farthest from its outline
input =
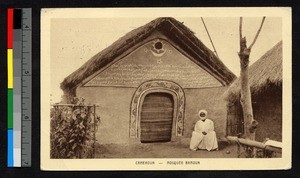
(151, 83)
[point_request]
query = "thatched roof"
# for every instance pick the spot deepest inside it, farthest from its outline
(174, 30)
(265, 72)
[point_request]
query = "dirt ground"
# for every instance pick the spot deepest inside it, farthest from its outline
(162, 150)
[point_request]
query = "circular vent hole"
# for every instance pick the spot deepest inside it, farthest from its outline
(158, 45)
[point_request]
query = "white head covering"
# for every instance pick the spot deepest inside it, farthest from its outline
(202, 111)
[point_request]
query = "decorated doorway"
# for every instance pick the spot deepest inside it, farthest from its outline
(160, 103)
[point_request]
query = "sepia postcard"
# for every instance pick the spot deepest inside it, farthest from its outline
(166, 88)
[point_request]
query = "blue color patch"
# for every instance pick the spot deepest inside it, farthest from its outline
(10, 148)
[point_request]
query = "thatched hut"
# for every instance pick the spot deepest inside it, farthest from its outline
(151, 83)
(265, 79)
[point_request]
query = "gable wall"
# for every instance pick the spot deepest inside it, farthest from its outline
(145, 63)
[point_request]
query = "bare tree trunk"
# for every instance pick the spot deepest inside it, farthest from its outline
(250, 124)
(249, 130)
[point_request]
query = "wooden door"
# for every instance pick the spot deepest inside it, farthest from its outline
(157, 117)
(235, 120)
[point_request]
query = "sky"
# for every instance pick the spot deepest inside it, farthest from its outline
(73, 41)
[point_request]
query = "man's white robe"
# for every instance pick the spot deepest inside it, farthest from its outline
(201, 141)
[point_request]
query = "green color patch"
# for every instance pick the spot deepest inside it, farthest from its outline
(10, 110)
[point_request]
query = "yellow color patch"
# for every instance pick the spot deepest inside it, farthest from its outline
(10, 70)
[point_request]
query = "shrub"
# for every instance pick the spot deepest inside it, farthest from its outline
(72, 130)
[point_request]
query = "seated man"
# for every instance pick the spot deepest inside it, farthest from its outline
(204, 136)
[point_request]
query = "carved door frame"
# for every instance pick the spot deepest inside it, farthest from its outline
(157, 86)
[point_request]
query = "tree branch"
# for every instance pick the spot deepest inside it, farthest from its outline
(241, 26)
(262, 22)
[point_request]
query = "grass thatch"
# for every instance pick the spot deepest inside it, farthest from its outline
(174, 30)
(265, 72)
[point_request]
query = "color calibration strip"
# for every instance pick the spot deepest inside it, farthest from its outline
(19, 87)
